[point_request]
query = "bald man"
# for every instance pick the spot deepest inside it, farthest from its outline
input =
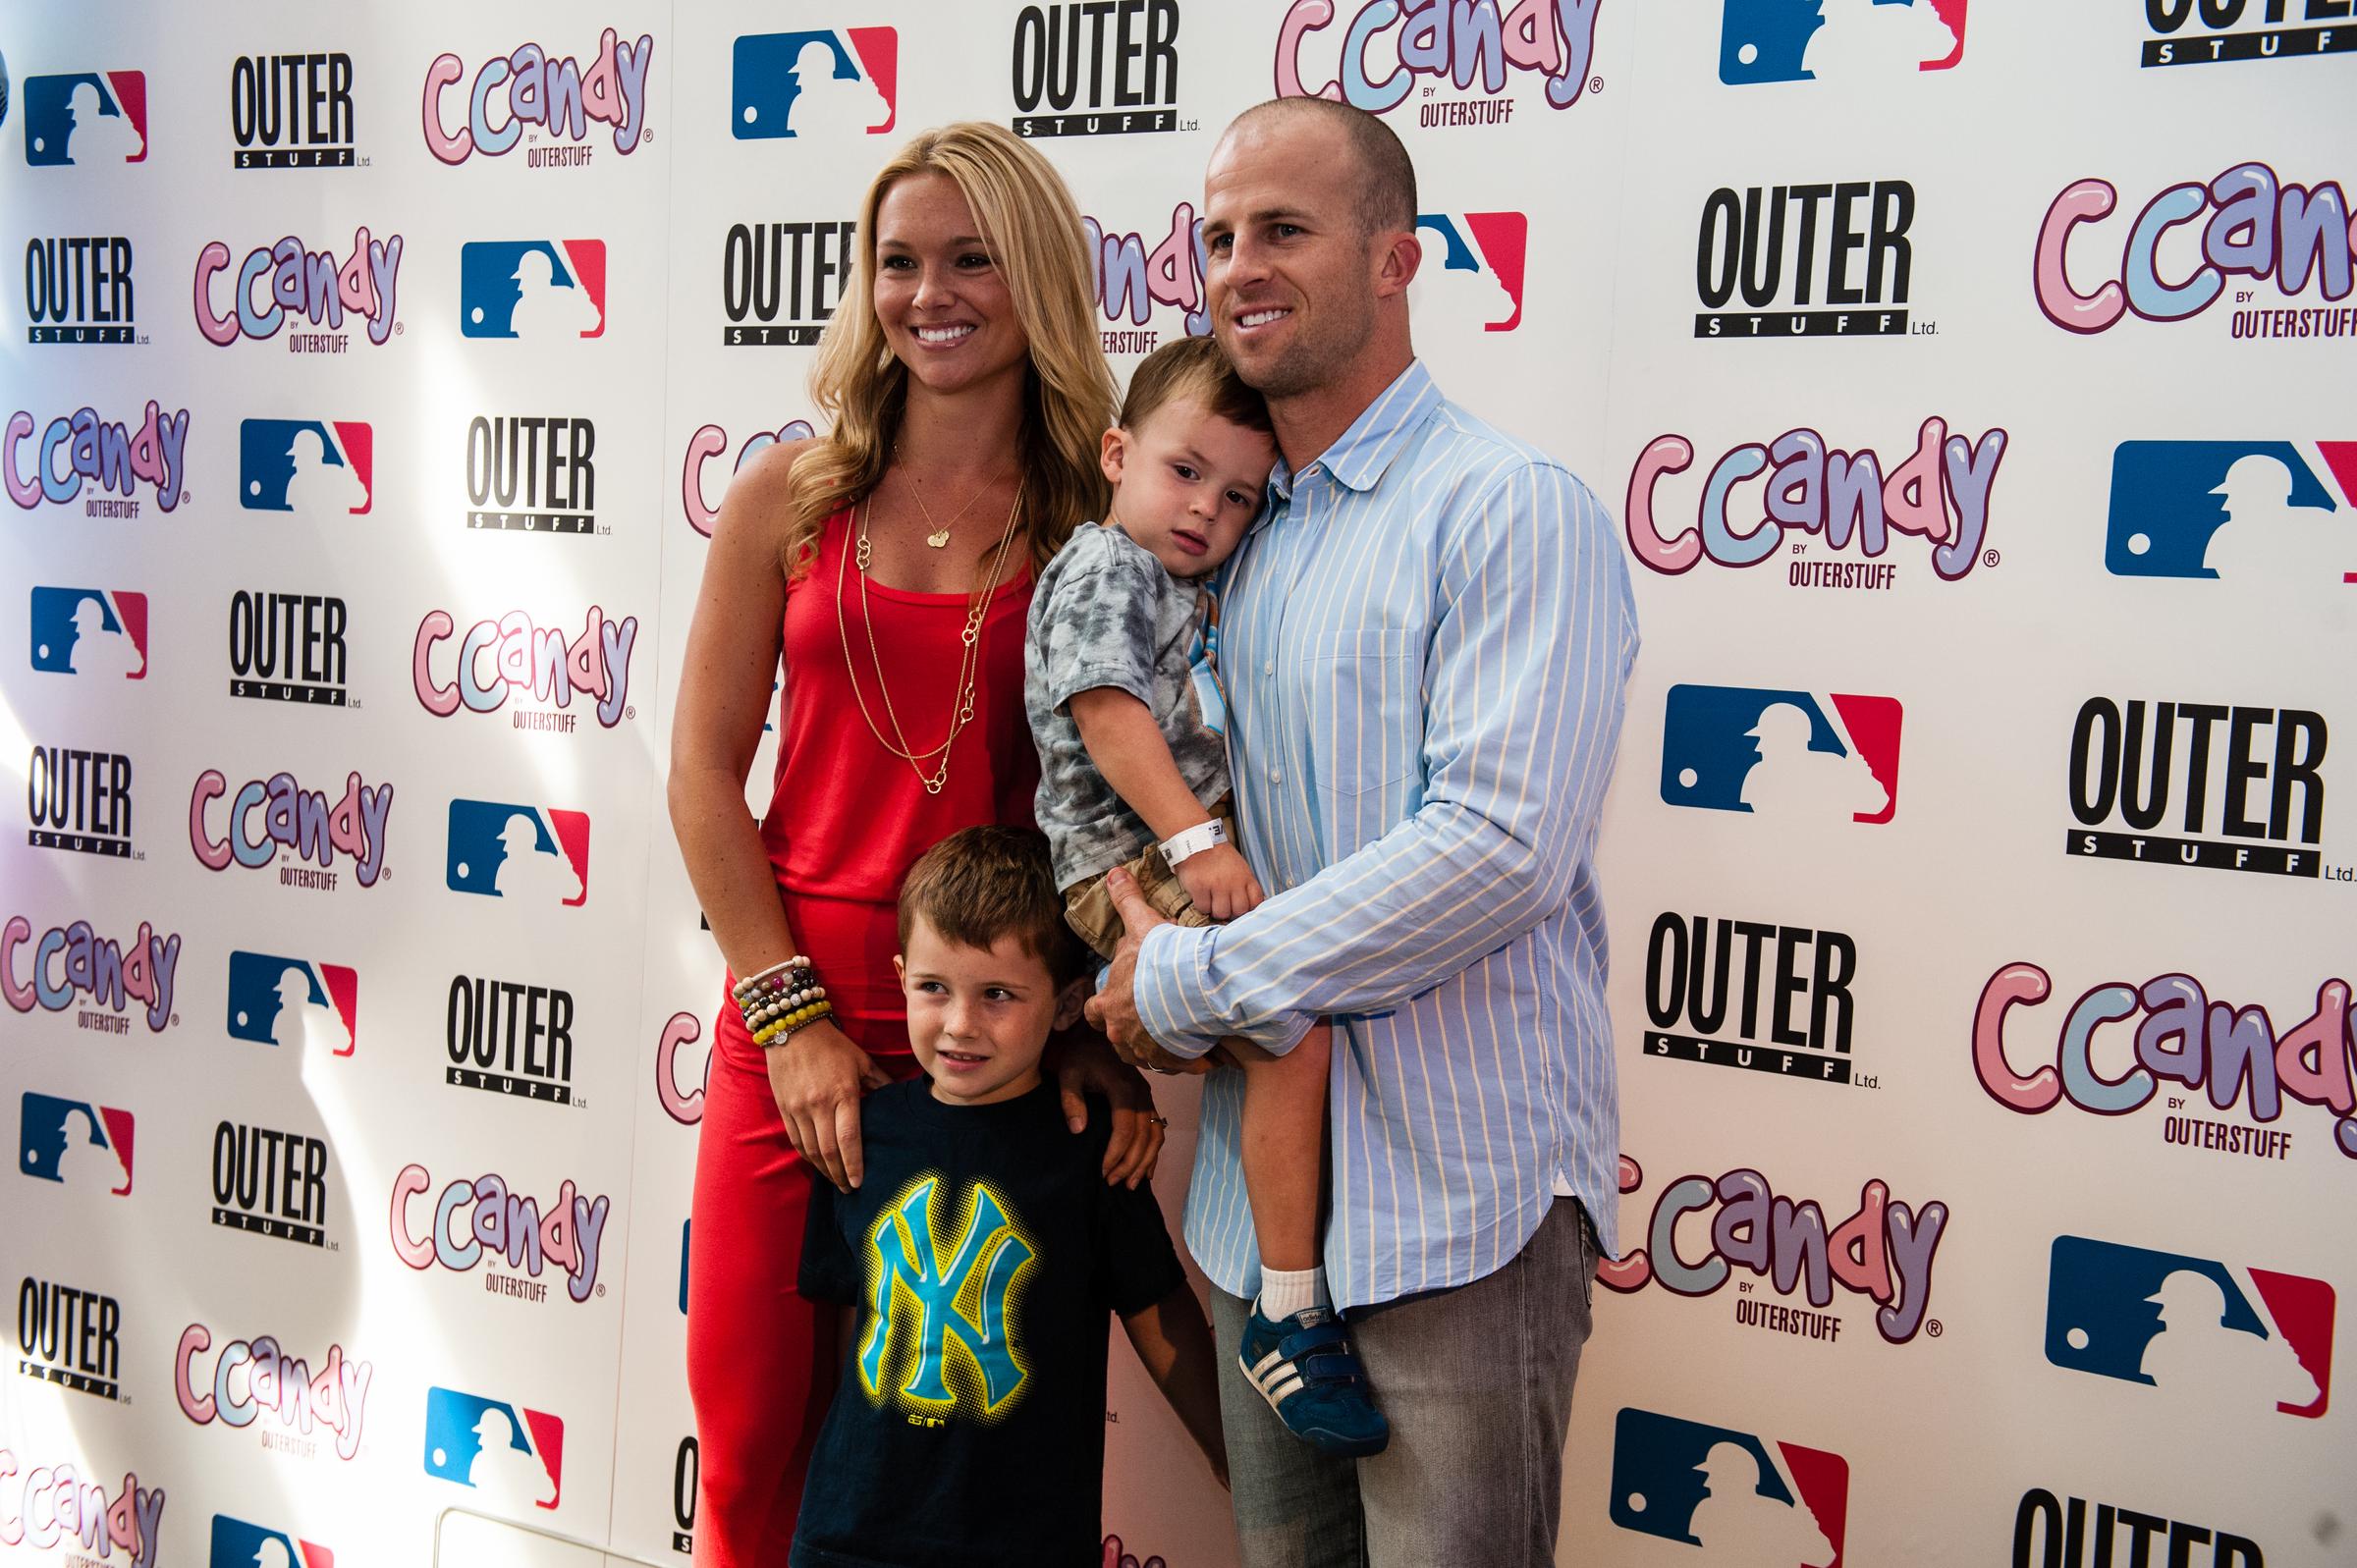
(1424, 638)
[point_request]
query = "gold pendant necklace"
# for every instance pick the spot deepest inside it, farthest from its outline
(939, 536)
(968, 663)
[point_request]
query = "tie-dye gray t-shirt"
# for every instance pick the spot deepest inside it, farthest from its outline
(1107, 613)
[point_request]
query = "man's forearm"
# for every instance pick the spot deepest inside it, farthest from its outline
(1407, 912)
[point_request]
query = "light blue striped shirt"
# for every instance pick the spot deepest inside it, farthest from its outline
(1424, 640)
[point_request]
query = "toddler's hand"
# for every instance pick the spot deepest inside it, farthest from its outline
(1220, 883)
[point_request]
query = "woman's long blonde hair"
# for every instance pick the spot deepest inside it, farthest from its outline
(1028, 220)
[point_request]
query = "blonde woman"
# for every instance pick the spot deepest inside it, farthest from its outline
(889, 565)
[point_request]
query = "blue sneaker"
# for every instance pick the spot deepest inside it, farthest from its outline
(1303, 1367)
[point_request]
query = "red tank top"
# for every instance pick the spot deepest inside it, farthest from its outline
(847, 818)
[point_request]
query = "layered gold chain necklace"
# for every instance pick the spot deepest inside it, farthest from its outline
(961, 709)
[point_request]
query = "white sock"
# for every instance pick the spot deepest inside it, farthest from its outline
(1285, 1292)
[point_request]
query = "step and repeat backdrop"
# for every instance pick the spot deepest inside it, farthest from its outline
(1973, 383)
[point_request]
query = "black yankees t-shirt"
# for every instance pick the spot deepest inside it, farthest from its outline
(985, 1254)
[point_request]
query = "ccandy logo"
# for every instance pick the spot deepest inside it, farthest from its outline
(513, 655)
(1938, 492)
(255, 1376)
(288, 277)
(55, 1505)
(107, 454)
(2250, 224)
(67, 962)
(501, 1225)
(1462, 48)
(553, 95)
(1882, 1252)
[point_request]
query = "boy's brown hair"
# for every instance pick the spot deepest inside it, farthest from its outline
(981, 884)
(1192, 367)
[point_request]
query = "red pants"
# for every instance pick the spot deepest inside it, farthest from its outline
(761, 1361)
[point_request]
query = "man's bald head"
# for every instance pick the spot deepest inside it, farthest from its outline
(1387, 178)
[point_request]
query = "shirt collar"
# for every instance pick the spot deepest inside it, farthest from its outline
(1361, 454)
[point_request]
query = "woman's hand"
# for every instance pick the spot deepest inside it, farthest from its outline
(817, 1078)
(1084, 1064)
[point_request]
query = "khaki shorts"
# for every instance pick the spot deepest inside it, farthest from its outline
(1088, 908)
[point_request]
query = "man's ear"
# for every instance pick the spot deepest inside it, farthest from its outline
(1398, 262)
(1113, 451)
(1070, 1000)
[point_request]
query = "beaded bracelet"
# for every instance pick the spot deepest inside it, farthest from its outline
(783, 1028)
(781, 1000)
(773, 978)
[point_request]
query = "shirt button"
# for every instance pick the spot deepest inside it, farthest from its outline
(1268, 667)
(1276, 776)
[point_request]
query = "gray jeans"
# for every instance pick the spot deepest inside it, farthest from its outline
(1477, 1386)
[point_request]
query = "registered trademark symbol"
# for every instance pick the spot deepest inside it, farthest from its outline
(1595, 84)
(648, 135)
(630, 713)
(601, 1290)
(400, 327)
(1989, 558)
(175, 1019)
(1931, 1327)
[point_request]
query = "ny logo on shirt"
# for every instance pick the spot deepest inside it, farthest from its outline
(929, 1309)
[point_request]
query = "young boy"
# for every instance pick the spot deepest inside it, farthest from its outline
(1124, 695)
(979, 1257)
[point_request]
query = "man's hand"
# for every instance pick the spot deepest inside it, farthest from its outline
(1083, 1066)
(1217, 879)
(1114, 1009)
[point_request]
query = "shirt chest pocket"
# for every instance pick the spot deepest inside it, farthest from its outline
(1366, 728)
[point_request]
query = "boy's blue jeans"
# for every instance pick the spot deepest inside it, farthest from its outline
(1476, 1382)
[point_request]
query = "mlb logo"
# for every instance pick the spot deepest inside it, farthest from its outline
(1471, 278)
(814, 84)
(1741, 1497)
(293, 1002)
(1789, 755)
(1845, 40)
(2262, 513)
(319, 467)
(86, 119)
(100, 632)
(239, 1545)
(534, 855)
(2214, 1338)
(75, 1143)
(541, 289)
(487, 1444)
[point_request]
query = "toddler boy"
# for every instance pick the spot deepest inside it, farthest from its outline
(1122, 683)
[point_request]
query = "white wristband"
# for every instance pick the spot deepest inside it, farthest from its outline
(1192, 841)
